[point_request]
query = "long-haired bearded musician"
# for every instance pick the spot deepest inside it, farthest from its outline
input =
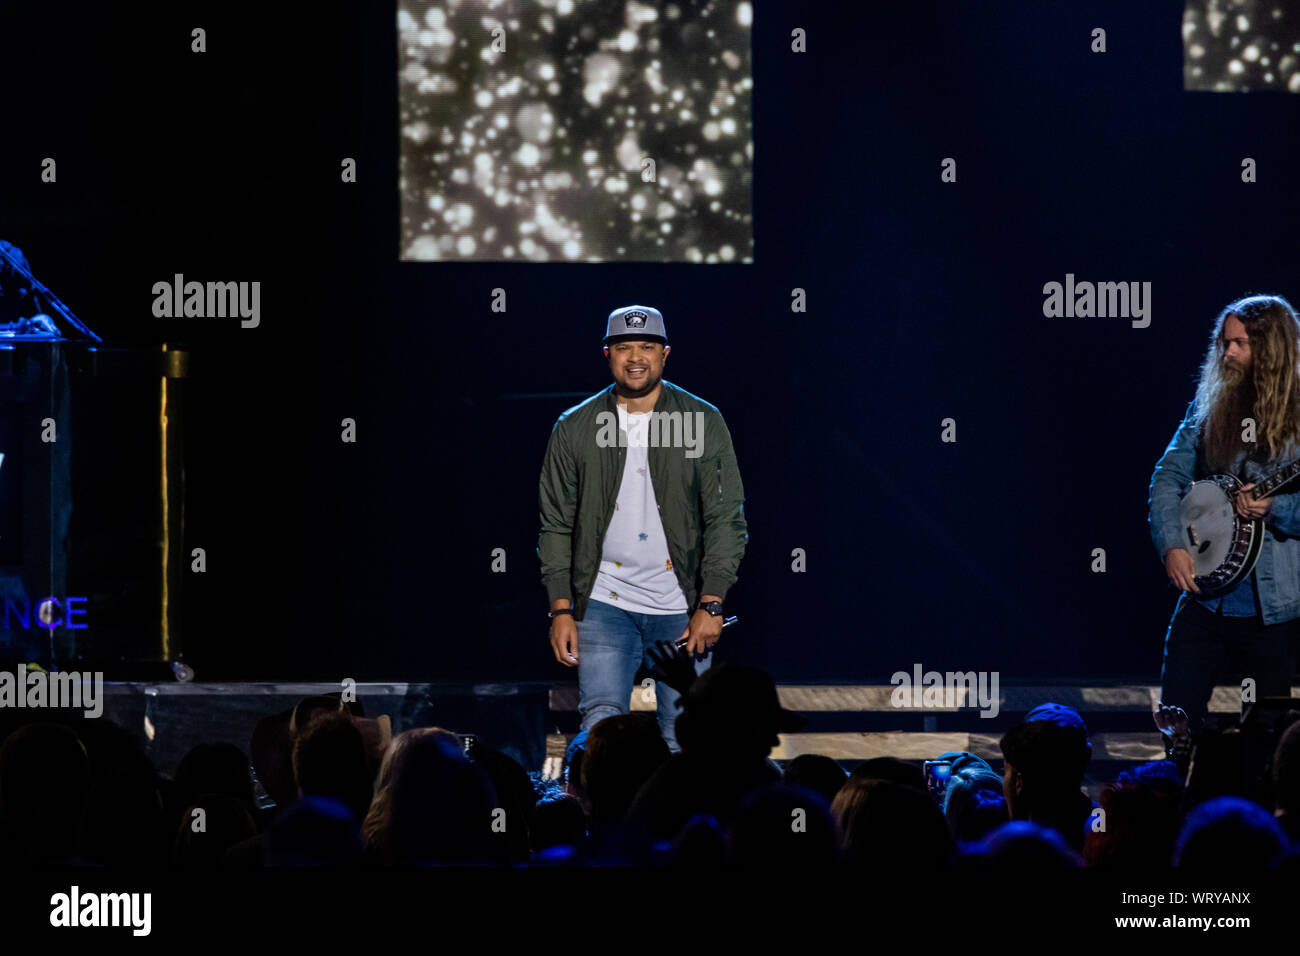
(1249, 389)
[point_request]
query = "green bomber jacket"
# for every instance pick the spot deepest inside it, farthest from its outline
(696, 484)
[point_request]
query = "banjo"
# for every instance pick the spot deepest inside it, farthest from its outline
(1224, 545)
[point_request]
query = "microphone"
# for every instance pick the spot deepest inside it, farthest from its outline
(726, 622)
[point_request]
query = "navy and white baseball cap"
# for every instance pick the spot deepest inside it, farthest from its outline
(636, 322)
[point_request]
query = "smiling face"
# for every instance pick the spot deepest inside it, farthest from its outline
(637, 365)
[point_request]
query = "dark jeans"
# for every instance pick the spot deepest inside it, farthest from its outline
(1202, 647)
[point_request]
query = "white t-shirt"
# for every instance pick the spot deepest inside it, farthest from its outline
(636, 572)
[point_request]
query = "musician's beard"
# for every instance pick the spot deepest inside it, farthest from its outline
(1234, 376)
(1237, 402)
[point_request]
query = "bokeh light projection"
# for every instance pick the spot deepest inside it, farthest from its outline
(1241, 45)
(576, 130)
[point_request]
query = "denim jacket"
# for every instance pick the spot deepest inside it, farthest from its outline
(1277, 571)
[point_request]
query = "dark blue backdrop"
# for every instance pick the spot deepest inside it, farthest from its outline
(924, 302)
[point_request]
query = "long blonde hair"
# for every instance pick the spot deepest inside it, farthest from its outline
(374, 830)
(1271, 394)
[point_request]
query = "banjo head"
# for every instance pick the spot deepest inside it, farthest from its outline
(1224, 547)
(1209, 521)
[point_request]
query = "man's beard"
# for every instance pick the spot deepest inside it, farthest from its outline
(1239, 384)
(1234, 377)
(629, 392)
(1236, 403)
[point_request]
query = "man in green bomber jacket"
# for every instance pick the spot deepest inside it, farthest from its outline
(642, 523)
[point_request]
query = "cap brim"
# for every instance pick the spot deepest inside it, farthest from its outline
(635, 337)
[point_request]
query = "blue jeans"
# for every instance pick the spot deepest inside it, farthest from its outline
(612, 645)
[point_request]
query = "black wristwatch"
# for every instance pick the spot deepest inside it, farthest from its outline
(559, 610)
(713, 607)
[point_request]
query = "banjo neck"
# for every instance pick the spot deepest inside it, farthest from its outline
(1273, 482)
